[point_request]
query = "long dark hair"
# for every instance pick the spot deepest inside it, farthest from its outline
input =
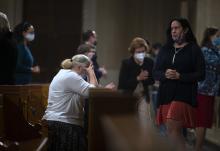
(190, 38)
(206, 41)
(19, 29)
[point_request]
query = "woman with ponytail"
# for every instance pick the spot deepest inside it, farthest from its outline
(64, 113)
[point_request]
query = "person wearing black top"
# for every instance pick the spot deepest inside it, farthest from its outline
(179, 66)
(137, 69)
(89, 37)
(8, 57)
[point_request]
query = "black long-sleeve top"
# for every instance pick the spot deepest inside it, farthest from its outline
(8, 58)
(189, 62)
(129, 72)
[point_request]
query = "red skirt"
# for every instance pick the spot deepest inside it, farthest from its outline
(178, 111)
(204, 111)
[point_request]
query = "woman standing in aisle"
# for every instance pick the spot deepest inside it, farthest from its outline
(179, 66)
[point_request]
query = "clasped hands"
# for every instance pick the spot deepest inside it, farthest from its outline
(172, 74)
(143, 75)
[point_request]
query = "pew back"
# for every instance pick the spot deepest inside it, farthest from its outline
(106, 102)
(23, 107)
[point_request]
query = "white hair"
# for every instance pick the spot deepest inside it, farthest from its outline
(4, 23)
(77, 60)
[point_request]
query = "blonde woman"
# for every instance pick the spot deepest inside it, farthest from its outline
(64, 112)
(8, 57)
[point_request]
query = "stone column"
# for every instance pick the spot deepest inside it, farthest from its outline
(13, 9)
(207, 14)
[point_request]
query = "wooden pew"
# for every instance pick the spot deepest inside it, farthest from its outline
(23, 107)
(1, 116)
(15, 100)
(37, 103)
(106, 102)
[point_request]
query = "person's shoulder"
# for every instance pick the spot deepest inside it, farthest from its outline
(127, 61)
(21, 48)
(68, 75)
(165, 48)
(6, 37)
(7, 41)
(148, 60)
(195, 49)
(193, 46)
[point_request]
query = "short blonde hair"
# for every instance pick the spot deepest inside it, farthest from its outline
(138, 43)
(4, 23)
(77, 60)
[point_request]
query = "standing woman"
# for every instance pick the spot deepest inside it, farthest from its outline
(8, 57)
(24, 34)
(136, 71)
(179, 66)
(64, 112)
(208, 88)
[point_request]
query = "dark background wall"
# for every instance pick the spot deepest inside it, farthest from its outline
(58, 30)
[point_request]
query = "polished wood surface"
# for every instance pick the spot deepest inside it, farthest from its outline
(1, 116)
(23, 107)
(106, 102)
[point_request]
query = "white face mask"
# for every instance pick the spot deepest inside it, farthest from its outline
(30, 37)
(139, 56)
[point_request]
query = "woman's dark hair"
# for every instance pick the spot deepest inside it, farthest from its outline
(87, 34)
(19, 29)
(190, 38)
(84, 48)
(210, 31)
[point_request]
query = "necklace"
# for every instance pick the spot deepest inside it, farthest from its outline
(175, 52)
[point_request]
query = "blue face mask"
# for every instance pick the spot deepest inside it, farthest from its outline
(216, 41)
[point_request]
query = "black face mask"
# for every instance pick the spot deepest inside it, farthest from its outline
(181, 39)
(95, 43)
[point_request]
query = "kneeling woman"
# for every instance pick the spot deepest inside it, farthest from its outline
(64, 113)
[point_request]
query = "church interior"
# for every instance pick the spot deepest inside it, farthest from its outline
(59, 25)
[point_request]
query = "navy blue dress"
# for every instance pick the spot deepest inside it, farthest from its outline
(24, 63)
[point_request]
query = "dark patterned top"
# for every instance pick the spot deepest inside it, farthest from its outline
(210, 85)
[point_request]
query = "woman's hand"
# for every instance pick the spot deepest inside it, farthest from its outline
(91, 74)
(143, 75)
(111, 86)
(35, 69)
(90, 69)
(172, 74)
(103, 70)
